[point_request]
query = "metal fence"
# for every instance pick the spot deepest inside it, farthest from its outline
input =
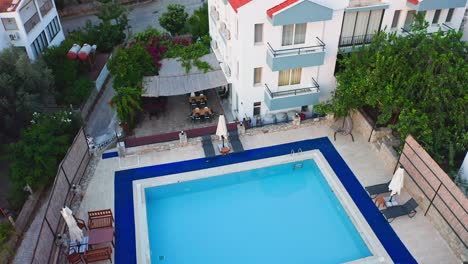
(437, 187)
(70, 171)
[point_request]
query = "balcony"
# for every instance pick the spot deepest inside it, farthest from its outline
(291, 98)
(434, 4)
(283, 59)
(32, 22)
(46, 7)
(224, 32)
(356, 40)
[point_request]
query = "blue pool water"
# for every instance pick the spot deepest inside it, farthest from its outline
(269, 215)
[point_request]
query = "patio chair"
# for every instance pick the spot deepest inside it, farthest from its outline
(409, 208)
(98, 254)
(208, 148)
(235, 142)
(74, 258)
(80, 222)
(100, 219)
(197, 117)
(377, 189)
(345, 129)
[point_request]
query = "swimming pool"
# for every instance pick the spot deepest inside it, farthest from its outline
(266, 211)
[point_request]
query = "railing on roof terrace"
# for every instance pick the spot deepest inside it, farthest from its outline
(314, 88)
(297, 51)
(32, 22)
(46, 7)
(356, 40)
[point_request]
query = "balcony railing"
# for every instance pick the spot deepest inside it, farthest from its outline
(297, 51)
(46, 7)
(356, 40)
(314, 88)
(32, 22)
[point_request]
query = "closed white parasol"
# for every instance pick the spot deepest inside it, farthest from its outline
(221, 130)
(397, 181)
(75, 232)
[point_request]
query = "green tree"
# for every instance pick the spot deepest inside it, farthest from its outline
(174, 20)
(127, 102)
(198, 22)
(129, 65)
(42, 146)
(418, 85)
(24, 86)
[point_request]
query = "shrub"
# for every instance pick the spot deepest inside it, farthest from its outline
(36, 155)
(174, 20)
(78, 92)
(198, 22)
(129, 65)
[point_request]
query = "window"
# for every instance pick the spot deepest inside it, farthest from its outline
(258, 33)
(396, 17)
(449, 15)
(289, 77)
(257, 107)
(257, 76)
(39, 44)
(360, 27)
(294, 33)
(435, 20)
(409, 20)
(53, 28)
(9, 23)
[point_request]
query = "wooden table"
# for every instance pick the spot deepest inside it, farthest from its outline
(101, 236)
(198, 98)
(202, 111)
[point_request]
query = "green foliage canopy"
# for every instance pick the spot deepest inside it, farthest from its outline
(127, 102)
(42, 146)
(199, 23)
(420, 78)
(24, 86)
(129, 65)
(174, 19)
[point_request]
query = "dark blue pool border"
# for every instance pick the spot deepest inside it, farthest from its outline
(125, 247)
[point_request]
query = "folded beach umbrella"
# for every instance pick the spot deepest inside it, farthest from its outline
(397, 181)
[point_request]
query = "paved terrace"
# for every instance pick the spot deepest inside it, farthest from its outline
(418, 234)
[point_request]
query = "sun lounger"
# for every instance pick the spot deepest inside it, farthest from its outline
(377, 189)
(235, 142)
(409, 208)
(208, 148)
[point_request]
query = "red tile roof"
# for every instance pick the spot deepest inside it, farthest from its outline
(6, 4)
(281, 6)
(414, 2)
(236, 3)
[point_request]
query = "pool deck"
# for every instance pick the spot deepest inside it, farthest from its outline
(418, 235)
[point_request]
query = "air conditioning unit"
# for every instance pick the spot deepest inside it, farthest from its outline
(14, 36)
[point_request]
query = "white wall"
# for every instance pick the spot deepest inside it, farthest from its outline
(26, 39)
(242, 49)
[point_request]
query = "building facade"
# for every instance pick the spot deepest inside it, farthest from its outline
(280, 55)
(30, 24)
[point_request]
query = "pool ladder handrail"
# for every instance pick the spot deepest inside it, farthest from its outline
(297, 164)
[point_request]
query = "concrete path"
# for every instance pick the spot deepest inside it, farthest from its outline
(103, 119)
(141, 16)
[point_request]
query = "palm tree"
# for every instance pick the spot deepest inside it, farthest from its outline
(127, 102)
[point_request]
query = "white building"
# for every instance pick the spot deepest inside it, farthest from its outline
(30, 24)
(280, 55)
